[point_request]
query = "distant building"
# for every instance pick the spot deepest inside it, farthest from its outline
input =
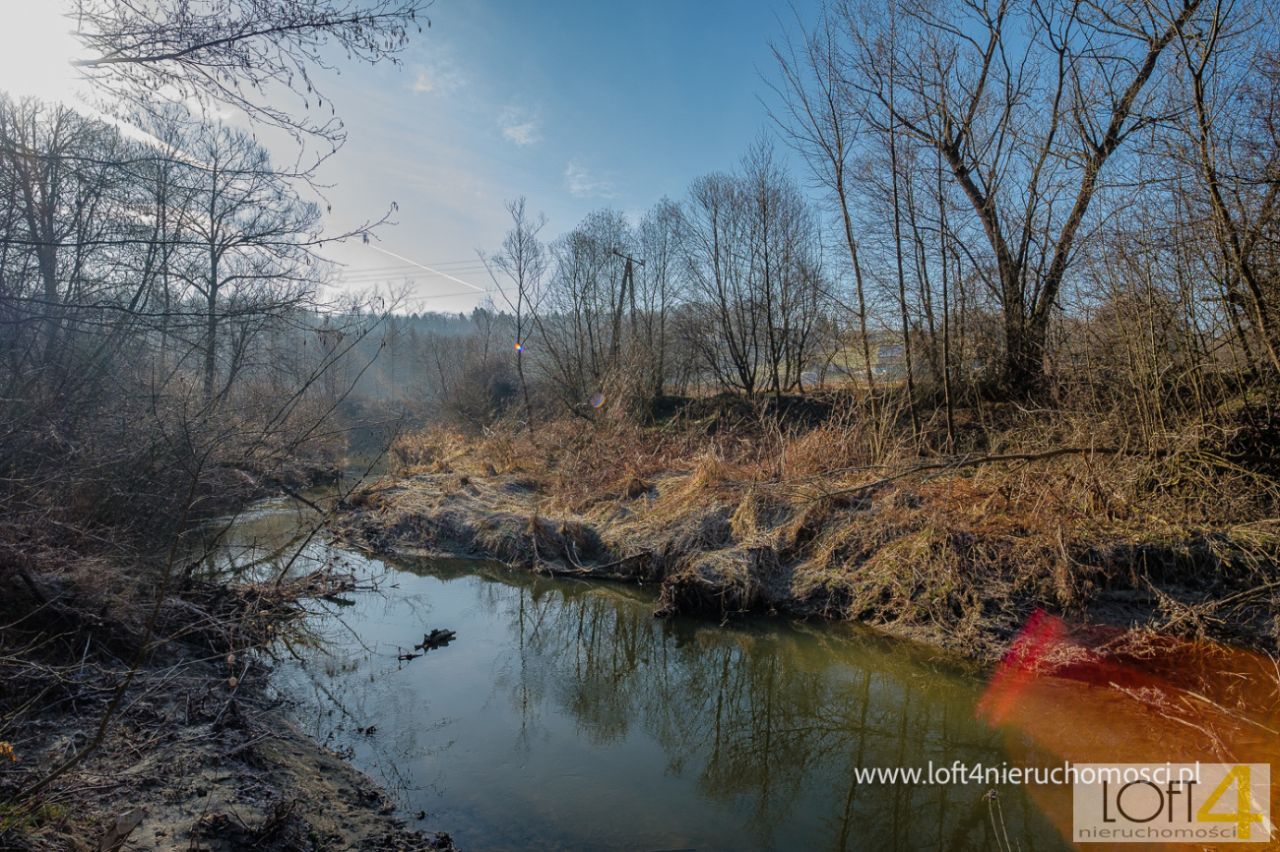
(889, 362)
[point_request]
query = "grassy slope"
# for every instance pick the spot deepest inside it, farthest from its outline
(954, 550)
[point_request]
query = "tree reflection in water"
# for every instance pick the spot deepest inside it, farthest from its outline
(536, 728)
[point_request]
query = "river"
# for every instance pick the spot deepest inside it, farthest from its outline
(565, 716)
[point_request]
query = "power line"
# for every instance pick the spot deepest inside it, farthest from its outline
(429, 296)
(428, 268)
(437, 264)
(390, 277)
(448, 295)
(402, 270)
(403, 266)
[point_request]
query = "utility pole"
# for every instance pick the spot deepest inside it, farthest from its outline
(628, 293)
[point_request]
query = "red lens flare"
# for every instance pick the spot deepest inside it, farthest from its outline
(1088, 694)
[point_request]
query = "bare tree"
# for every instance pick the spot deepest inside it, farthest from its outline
(1237, 152)
(1027, 106)
(717, 246)
(235, 52)
(754, 263)
(822, 120)
(523, 260)
(581, 326)
(251, 245)
(61, 169)
(659, 290)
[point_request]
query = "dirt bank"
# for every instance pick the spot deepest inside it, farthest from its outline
(954, 553)
(251, 781)
(198, 755)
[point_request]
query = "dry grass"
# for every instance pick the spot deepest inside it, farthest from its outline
(836, 519)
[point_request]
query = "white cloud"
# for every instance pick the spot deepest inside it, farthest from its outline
(424, 82)
(439, 76)
(525, 133)
(520, 126)
(583, 183)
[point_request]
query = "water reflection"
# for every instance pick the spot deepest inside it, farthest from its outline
(565, 715)
(271, 537)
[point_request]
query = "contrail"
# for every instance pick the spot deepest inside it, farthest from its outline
(429, 269)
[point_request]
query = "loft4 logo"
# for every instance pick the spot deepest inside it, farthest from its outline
(1244, 816)
(1154, 801)
(1172, 803)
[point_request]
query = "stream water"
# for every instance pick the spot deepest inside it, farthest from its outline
(566, 716)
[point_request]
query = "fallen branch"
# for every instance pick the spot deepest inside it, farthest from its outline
(964, 462)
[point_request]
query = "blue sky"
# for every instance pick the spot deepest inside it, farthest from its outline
(576, 105)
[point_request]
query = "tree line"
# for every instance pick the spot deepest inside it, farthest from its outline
(727, 288)
(1016, 200)
(163, 318)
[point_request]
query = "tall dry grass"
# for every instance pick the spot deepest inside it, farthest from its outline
(1066, 509)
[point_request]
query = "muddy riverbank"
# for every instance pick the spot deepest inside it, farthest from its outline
(953, 561)
(185, 769)
(198, 750)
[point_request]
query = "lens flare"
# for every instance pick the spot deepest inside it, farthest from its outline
(519, 347)
(597, 400)
(1084, 693)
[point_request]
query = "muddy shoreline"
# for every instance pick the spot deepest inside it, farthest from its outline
(250, 779)
(200, 754)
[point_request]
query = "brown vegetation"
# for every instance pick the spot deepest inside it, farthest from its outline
(1038, 369)
(959, 549)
